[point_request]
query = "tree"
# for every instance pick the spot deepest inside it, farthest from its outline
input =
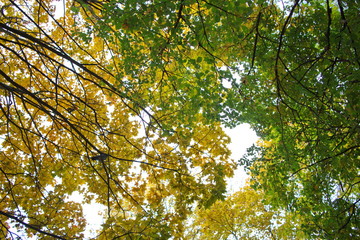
(243, 215)
(123, 100)
(307, 113)
(77, 115)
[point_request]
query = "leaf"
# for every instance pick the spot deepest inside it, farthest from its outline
(142, 82)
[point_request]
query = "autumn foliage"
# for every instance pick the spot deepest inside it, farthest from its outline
(124, 104)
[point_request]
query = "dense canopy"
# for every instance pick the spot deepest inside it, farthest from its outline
(124, 103)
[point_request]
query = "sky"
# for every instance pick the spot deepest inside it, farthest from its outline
(242, 137)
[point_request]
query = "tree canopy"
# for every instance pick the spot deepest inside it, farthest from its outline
(125, 102)
(244, 216)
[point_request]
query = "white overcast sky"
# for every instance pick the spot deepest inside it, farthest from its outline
(242, 137)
